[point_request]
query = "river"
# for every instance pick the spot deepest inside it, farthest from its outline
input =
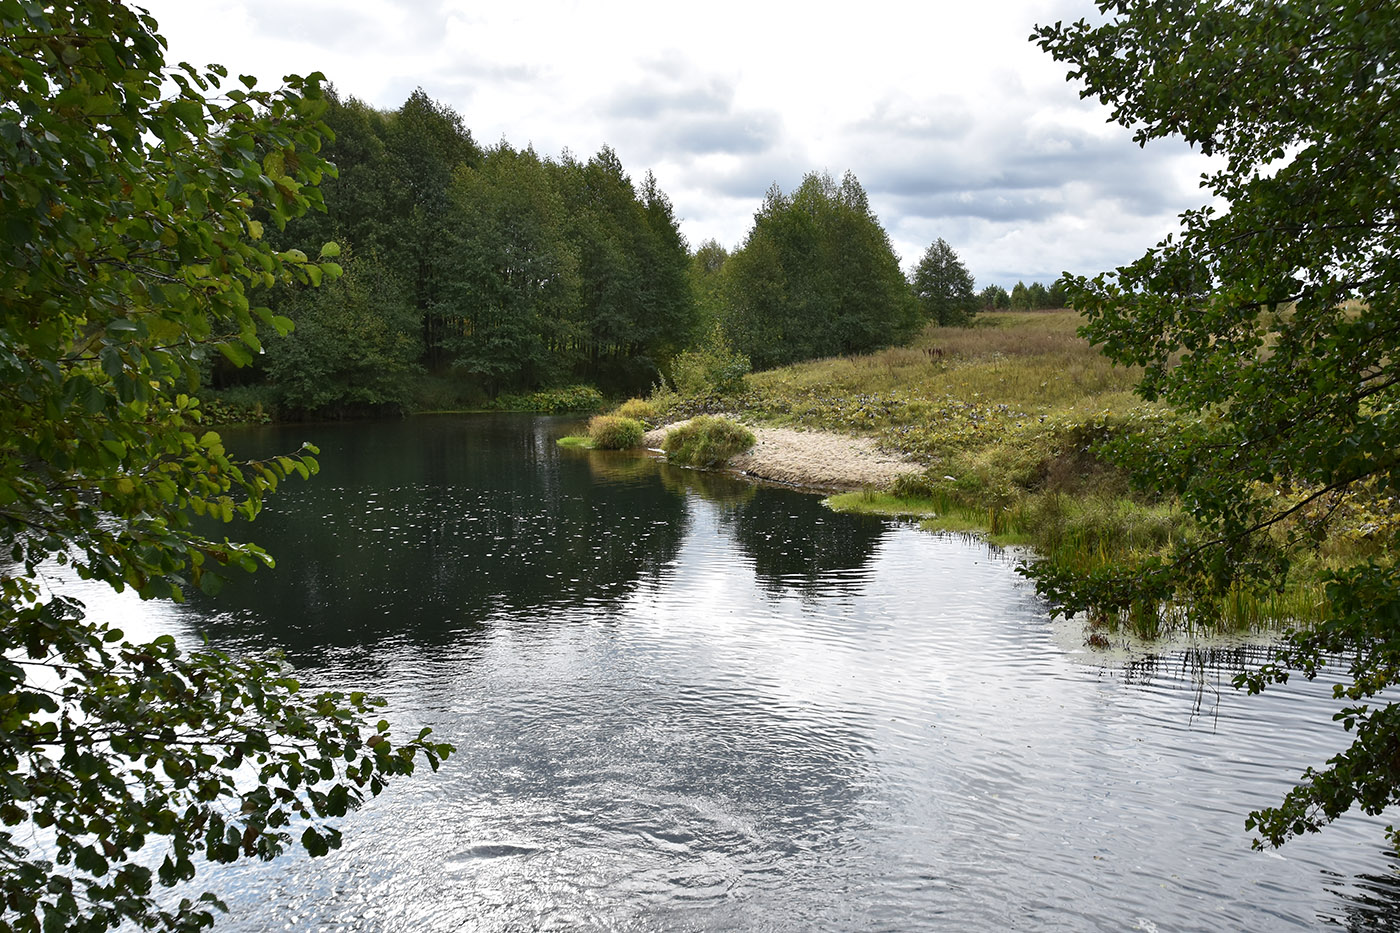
(685, 702)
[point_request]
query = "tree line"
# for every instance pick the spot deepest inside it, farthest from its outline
(496, 268)
(469, 272)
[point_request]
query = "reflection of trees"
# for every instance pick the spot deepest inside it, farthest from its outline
(1372, 901)
(616, 466)
(420, 528)
(712, 486)
(629, 466)
(1208, 669)
(795, 541)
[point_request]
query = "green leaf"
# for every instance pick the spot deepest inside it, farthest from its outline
(314, 843)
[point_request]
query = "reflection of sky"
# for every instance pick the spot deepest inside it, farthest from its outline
(897, 742)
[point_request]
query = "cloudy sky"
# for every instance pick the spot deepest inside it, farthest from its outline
(956, 125)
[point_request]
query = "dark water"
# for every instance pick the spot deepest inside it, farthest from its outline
(682, 702)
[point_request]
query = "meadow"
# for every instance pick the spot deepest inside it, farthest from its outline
(1007, 419)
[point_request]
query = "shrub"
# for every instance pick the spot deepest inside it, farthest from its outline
(714, 368)
(239, 405)
(638, 408)
(609, 432)
(553, 401)
(707, 441)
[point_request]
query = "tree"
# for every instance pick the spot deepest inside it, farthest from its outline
(1020, 297)
(994, 298)
(427, 142)
(816, 276)
(515, 276)
(706, 272)
(943, 286)
(129, 248)
(637, 309)
(1272, 329)
(355, 346)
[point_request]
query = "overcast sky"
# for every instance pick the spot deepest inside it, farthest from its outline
(955, 124)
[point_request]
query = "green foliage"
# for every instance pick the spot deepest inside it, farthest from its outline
(713, 368)
(553, 401)
(133, 244)
(636, 308)
(515, 282)
(638, 409)
(355, 347)
(943, 286)
(1271, 328)
(610, 432)
(815, 277)
(426, 143)
(239, 405)
(520, 272)
(994, 298)
(1037, 297)
(706, 441)
(707, 285)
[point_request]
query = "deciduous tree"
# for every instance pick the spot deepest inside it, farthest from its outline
(1274, 329)
(356, 345)
(515, 281)
(994, 298)
(130, 245)
(1020, 297)
(943, 286)
(816, 277)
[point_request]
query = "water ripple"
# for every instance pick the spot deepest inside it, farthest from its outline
(681, 704)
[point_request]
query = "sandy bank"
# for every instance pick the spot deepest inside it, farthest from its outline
(810, 458)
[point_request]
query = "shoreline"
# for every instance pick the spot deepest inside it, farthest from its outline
(819, 460)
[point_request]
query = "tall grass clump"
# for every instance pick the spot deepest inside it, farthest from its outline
(706, 441)
(610, 432)
(638, 409)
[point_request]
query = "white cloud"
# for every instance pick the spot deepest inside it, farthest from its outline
(956, 125)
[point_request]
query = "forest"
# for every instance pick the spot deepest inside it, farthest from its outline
(474, 274)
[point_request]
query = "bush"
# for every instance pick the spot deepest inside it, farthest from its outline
(711, 369)
(553, 401)
(707, 441)
(638, 408)
(609, 432)
(239, 405)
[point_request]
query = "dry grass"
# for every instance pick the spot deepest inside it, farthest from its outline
(1034, 361)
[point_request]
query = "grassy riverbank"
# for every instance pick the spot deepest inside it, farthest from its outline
(1004, 419)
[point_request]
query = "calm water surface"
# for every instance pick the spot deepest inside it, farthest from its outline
(683, 702)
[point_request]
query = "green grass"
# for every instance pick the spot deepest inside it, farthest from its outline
(612, 432)
(706, 441)
(1002, 417)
